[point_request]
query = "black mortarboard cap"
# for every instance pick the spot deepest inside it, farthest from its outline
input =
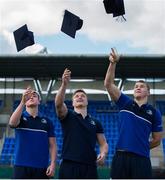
(23, 37)
(115, 7)
(71, 23)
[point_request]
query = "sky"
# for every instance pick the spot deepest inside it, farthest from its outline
(142, 33)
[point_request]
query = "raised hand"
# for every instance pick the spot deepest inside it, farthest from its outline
(26, 95)
(66, 77)
(113, 57)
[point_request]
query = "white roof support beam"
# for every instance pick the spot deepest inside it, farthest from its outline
(38, 87)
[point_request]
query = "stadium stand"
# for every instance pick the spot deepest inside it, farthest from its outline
(7, 154)
(104, 111)
(39, 71)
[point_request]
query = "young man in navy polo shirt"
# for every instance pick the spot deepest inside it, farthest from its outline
(138, 120)
(34, 139)
(80, 132)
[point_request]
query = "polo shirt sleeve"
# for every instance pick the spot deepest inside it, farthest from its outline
(157, 123)
(122, 101)
(51, 132)
(19, 125)
(99, 127)
(69, 113)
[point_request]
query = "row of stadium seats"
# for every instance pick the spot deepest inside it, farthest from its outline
(7, 153)
(107, 115)
(101, 110)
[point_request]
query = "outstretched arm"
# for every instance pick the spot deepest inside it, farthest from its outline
(15, 117)
(61, 108)
(109, 84)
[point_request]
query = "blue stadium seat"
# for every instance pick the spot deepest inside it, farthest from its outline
(7, 153)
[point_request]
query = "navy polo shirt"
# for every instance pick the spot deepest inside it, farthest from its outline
(136, 125)
(80, 136)
(32, 141)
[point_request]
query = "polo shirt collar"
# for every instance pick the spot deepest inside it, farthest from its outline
(142, 106)
(79, 114)
(25, 113)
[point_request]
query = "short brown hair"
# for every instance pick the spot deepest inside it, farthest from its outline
(79, 90)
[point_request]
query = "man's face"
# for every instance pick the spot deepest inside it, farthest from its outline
(33, 100)
(141, 90)
(80, 100)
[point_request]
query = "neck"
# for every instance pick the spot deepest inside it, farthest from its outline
(33, 111)
(141, 101)
(81, 110)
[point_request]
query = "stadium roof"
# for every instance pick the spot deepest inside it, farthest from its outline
(91, 67)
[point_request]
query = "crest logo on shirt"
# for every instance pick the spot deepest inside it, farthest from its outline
(149, 112)
(93, 122)
(24, 118)
(44, 121)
